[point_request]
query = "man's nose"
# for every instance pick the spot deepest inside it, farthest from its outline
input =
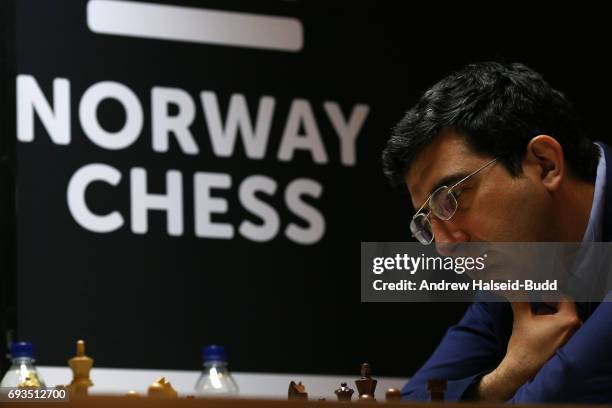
(446, 235)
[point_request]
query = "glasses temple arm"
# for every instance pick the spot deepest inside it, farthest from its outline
(471, 174)
(423, 206)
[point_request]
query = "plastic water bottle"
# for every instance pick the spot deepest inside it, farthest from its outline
(215, 379)
(22, 371)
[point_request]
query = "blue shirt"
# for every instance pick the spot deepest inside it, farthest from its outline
(579, 372)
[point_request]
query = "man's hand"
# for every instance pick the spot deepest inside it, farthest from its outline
(534, 340)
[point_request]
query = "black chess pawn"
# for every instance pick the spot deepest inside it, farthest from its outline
(366, 398)
(436, 389)
(366, 385)
(344, 393)
(393, 394)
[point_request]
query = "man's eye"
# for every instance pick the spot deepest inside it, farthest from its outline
(457, 192)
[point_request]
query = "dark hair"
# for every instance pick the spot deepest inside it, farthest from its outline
(498, 108)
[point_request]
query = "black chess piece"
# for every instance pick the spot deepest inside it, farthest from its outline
(393, 394)
(344, 393)
(366, 385)
(297, 391)
(436, 389)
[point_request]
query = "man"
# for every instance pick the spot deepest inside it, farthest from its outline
(547, 184)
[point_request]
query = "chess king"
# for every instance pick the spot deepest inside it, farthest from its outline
(521, 170)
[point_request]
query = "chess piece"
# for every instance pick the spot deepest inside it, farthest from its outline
(132, 393)
(366, 385)
(80, 366)
(436, 389)
(393, 394)
(162, 388)
(297, 391)
(344, 393)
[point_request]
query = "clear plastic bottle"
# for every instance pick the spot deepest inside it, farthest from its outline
(22, 371)
(215, 379)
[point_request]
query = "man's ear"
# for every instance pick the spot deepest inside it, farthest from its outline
(545, 156)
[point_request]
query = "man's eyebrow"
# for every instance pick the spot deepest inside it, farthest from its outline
(447, 181)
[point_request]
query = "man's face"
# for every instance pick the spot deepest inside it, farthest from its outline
(492, 205)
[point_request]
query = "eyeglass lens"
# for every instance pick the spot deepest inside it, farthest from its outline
(443, 204)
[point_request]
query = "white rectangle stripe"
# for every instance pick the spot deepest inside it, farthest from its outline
(176, 23)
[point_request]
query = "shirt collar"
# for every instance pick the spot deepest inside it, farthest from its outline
(593, 231)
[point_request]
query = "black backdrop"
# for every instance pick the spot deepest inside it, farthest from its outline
(151, 300)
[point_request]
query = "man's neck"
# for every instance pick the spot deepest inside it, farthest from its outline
(576, 201)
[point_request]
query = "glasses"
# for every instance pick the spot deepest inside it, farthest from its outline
(443, 204)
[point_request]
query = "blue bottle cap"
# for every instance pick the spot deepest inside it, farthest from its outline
(22, 349)
(213, 353)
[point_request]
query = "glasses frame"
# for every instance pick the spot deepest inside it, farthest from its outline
(427, 202)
